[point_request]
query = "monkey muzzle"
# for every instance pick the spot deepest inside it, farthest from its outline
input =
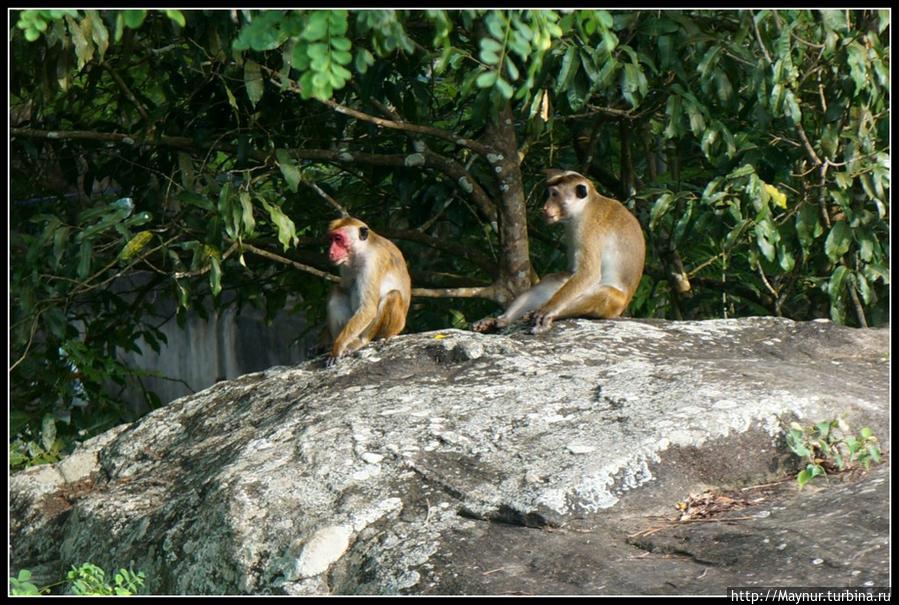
(551, 215)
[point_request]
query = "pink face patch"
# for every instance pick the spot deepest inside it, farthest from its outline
(339, 250)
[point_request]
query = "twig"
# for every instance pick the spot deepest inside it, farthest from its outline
(28, 346)
(343, 212)
(761, 485)
(130, 95)
(808, 146)
(758, 37)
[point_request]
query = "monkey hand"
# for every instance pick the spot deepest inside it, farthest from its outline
(331, 360)
(543, 321)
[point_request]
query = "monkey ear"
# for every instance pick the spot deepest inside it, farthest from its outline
(363, 233)
(581, 190)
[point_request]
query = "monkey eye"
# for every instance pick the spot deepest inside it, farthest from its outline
(581, 191)
(336, 238)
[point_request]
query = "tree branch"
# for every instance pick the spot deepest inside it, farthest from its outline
(476, 146)
(449, 167)
(488, 292)
(453, 247)
(343, 212)
(432, 160)
(280, 259)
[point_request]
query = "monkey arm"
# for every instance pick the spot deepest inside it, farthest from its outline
(355, 327)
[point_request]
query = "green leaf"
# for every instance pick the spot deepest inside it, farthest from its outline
(604, 18)
(341, 44)
(866, 243)
(252, 77)
(495, 25)
(511, 69)
(660, 208)
(289, 169)
(766, 237)
(569, 68)
(285, 226)
(836, 283)
(874, 452)
(342, 57)
(364, 60)
(249, 223)
(134, 18)
(838, 241)
(84, 259)
(316, 26)
(176, 16)
(808, 228)
(487, 79)
(337, 20)
(505, 89)
(215, 275)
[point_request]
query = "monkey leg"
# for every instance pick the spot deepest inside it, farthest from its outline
(603, 303)
(391, 317)
(526, 303)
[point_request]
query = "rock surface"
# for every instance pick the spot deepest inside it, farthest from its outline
(458, 463)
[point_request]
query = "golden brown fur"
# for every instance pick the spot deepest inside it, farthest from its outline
(373, 296)
(606, 252)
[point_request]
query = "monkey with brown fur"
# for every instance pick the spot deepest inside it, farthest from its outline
(372, 299)
(606, 250)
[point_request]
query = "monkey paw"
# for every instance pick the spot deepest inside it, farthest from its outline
(331, 360)
(542, 323)
(488, 324)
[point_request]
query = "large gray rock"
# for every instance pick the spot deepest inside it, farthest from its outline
(452, 462)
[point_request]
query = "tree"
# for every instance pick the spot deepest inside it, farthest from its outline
(205, 151)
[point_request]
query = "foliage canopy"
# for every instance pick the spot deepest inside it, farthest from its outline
(199, 155)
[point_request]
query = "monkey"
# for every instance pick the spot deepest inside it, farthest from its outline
(606, 251)
(373, 296)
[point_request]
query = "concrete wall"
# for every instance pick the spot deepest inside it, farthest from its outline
(226, 345)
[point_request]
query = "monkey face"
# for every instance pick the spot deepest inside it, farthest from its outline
(341, 247)
(553, 208)
(566, 197)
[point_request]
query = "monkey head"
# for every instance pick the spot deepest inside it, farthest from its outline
(348, 237)
(567, 194)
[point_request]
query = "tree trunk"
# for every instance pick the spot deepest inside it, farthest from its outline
(515, 263)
